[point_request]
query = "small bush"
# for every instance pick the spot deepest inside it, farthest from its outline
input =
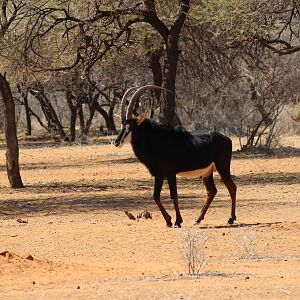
(194, 245)
(245, 242)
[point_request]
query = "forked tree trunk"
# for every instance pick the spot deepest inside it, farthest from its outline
(12, 146)
(54, 124)
(108, 117)
(171, 42)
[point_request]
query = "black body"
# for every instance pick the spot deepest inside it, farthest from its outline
(167, 151)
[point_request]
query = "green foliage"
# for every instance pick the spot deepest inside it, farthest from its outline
(235, 20)
(220, 38)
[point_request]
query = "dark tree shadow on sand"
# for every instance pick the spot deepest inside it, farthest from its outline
(92, 197)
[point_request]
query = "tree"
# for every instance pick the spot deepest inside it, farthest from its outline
(282, 37)
(24, 101)
(53, 124)
(12, 147)
(268, 93)
(170, 38)
(115, 22)
(198, 50)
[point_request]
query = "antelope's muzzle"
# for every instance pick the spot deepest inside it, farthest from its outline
(121, 136)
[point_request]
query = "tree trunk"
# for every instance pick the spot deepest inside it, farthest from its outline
(108, 118)
(49, 112)
(73, 125)
(88, 124)
(27, 114)
(112, 126)
(73, 117)
(12, 147)
(171, 40)
(155, 66)
(81, 118)
(167, 107)
(24, 96)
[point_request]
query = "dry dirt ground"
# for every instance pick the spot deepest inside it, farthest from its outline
(66, 236)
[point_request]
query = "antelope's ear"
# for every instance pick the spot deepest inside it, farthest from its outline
(141, 118)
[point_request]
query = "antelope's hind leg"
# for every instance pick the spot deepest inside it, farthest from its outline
(232, 191)
(211, 192)
(223, 163)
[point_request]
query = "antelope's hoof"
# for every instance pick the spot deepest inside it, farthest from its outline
(197, 221)
(231, 221)
(170, 225)
(177, 226)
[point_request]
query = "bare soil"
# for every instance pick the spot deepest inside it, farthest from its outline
(66, 236)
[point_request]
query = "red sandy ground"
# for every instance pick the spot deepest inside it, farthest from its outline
(77, 242)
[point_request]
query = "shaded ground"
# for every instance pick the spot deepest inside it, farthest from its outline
(70, 219)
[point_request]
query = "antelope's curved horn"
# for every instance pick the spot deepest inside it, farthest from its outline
(123, 104)
(137, 94)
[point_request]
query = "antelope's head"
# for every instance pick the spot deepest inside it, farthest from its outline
(128, 121)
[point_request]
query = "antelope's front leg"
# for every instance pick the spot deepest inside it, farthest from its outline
(174, 197)
(156, 195)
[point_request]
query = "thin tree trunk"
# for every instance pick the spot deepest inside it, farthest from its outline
(24, 96)
(92, 109)
(88, 124)
(27, 115)
(12, 146)
(73, 117)
(81, 118)
(73, 125)
(112, 126)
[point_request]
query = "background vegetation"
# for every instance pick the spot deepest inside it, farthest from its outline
(234, 65)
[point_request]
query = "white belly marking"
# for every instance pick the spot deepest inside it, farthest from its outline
(205, 172)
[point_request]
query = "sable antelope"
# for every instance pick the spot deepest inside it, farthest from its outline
(168, 151)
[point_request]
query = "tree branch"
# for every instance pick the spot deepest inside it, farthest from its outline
(184, 9)
(150, 17)
(6, 22)
(278, 46)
